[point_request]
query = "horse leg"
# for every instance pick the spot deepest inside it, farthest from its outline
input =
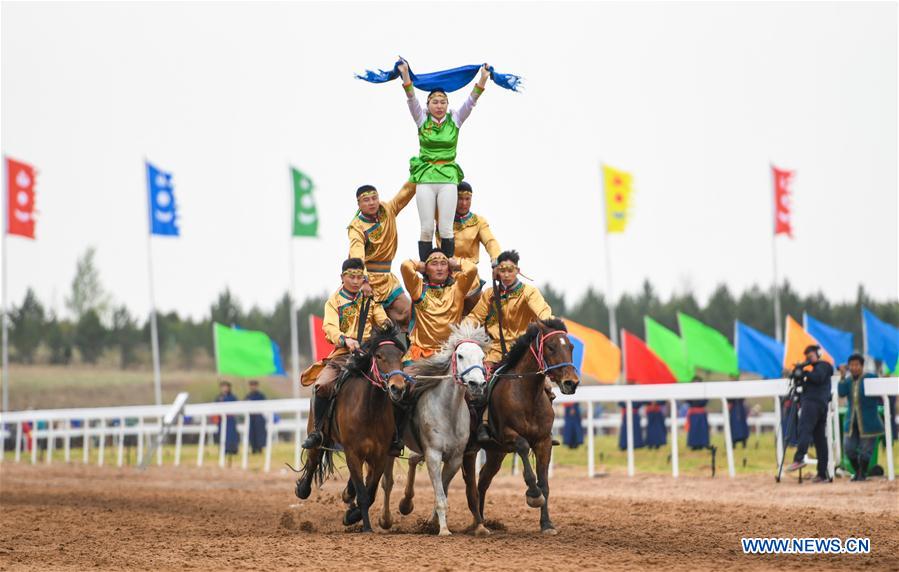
(375, 472)
(544, 451)
(386, 521)
(354, 464)
(433, 459)
(406, 505)
(349, 492)
(471, 494)
(488, 471)
(304, 483)
(533, 496)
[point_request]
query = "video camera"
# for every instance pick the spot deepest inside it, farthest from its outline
(797, 376)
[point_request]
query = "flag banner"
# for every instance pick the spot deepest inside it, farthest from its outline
(706, 347)
(163, 214)
(245, 353)
(670, 349)
(881, 339)
(836, 342)
(447, 80)
(321, 347)
(19, 198)
(758, 353)
(305, 215)
(796, 339)
(641, 364)
(617, 186)
(601, 358)
(783, 192)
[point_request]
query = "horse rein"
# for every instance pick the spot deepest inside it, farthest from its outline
(459, 378)
(378, 379)
(541, 361)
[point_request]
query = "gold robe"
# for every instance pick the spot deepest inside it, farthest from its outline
(434, 307)
(342, 319)
(375, 242)
(521, 305)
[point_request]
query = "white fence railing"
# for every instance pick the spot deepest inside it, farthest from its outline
(113, 422)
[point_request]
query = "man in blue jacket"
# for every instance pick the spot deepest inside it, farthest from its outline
(815, 376)
(863, 424)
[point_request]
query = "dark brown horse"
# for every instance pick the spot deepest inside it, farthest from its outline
(522, 416)
(362, 422)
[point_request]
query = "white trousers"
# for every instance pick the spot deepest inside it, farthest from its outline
(439, 197)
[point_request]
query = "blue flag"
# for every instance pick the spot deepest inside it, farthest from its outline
(836, 342)
(758, 353)
(882, 339)
(577, 351)
(447, 80)
(163, 214)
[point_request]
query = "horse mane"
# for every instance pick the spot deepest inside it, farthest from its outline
(521, 345)
(440, 363)
(360, 363)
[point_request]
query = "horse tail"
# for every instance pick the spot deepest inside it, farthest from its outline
(325, 468)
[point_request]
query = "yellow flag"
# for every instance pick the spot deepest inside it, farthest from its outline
(617, 186)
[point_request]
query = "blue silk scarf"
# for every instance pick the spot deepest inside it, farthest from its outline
(447, 80)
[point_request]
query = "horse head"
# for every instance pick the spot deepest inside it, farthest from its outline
(386, 350)
(554, 351)
(468, 366)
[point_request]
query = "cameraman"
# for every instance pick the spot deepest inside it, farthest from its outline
(815, 396)
(862, 426)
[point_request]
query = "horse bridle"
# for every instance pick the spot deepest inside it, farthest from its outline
(538, 355)
(378, 379)
(459, 378)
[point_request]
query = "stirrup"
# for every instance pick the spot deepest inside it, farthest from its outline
(315, 439)
(396, 448)
(483, 434)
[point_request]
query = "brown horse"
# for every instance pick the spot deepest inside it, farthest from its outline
(362, 422)
(522, 416)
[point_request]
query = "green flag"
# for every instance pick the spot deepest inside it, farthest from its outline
(305, 215)
(669, 347)
(245, 353)
(706, 347)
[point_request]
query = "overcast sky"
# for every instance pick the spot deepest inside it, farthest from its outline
(696, 100)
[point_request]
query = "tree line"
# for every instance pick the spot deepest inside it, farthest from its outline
(97, 327)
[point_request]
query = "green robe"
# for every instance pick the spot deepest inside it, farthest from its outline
(437, 143)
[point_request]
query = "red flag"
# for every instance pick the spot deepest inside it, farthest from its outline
(641, 364)
(782, 196)
(321, 347)
(20, 198)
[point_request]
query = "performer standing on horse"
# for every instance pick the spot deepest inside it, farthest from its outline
(508, 317)
(470, 232)
(341, 325)
(434, 170)
(373, 238)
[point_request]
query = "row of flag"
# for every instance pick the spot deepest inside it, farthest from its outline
(163, 211)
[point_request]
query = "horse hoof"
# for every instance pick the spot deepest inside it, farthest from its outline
(352, 516)
(304, 489)
(534, 502)
(385, 524)
(481, 531)
(406, 506)
(348, 495)
(445, 532)
(550, 531)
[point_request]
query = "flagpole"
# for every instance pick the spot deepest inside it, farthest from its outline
(5, 375)
(778, 331)
(294, 338)
(613, 322)
(154, 335)
(864, 333)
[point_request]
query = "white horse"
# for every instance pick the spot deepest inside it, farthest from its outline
(440, 423)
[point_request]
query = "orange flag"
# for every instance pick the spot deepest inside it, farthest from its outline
(602, 358)
(796, 340)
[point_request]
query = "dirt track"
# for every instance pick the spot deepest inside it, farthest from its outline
(86, 517)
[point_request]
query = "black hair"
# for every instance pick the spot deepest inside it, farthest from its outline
(436, 90)
(352, 264)
(812, 348)
(432, 251)
(225, 382)
(510, 255)
(464, 186)
(856, 357)
(365, 189)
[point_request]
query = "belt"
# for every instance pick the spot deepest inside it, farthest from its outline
(695, 410)
(378, 265)
(653, 408)
(441, 162)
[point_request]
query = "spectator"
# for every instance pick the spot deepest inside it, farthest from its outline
(231, 438)
(862, 426)
(258, 432)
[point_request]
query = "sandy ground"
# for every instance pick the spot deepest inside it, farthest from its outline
(75, 517)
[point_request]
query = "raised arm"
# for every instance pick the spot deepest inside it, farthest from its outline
(485, 235)
(463, 112)
(402, 198)
(415, 110)
(412, 279)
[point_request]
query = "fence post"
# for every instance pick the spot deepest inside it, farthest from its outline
(67, 443)
(223, 438)
(591, 452)
(18, 441)
(86, 443)
(50, 442)
(629, 420)
(672, 415)
(178, 440)
(778, 432)
(888, 434)
(269, 429)
(101, 450)
(140, 439)
(729, 443)
(34, 441)
(120, 454)
(296, 442)
(160, 444)
(245, 441)
(201, 444)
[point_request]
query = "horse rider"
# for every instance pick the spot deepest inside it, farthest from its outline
(519, 304)
(373, 238)
(341, 326)
(471, 231)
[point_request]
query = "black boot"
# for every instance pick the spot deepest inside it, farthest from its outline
(424, 249)
(483, 435)
(448, 246)
(861, 470)
(319, 412)
(399, 417)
